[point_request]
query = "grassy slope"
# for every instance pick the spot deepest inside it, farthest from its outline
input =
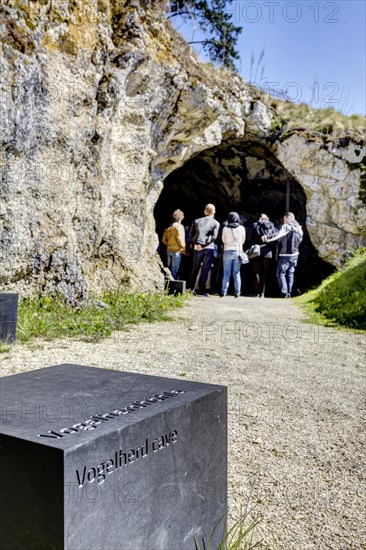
(341, 298)
(50, 318)
(305, 119)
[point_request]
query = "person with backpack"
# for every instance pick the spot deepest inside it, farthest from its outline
(175, 241)
(289, 236)
(262, 264)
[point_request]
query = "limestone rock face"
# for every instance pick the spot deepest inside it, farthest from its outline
(330, 177)
(99, 101)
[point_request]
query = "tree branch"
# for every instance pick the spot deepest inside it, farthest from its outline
(177, 13)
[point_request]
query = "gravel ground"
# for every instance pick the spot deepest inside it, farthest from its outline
(296, 397)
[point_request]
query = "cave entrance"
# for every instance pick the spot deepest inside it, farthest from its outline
(246, 178)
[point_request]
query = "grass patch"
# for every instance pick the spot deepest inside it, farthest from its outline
(238, 537)
(341, 298)
(49, 318)
(4, 347)
(314, 124)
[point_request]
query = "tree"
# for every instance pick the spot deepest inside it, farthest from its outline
(213, 20)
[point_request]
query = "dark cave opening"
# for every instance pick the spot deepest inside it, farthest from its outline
(246, 178)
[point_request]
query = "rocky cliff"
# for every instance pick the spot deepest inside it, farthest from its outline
(101, 102)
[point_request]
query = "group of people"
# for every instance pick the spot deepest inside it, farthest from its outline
(205, 234)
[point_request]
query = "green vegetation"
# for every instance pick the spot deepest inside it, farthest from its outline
(50, 318)
(341, 298)
(239, 537)
(213, 21)
(291, 118)
(4, 347)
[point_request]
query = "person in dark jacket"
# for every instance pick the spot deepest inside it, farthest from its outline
(262, 265)
(290, 237)
(203, 233)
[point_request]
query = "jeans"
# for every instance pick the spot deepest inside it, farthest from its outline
(173, 262)
(205, 256)
(231, 266)
(285, 273)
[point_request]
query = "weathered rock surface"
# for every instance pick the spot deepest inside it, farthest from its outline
(99, 101)
(330, 177)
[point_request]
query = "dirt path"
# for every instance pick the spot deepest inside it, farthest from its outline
(296, 396)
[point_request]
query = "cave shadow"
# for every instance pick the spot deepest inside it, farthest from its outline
(249, 179)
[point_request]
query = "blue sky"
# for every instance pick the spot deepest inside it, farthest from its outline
(314, 51)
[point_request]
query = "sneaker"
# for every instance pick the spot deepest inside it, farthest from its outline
(237, 295)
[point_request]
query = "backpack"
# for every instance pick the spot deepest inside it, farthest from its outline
(296, 236)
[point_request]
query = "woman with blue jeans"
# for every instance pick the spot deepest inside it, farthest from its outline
(233, 237)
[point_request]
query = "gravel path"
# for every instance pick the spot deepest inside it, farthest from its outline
(296, 396)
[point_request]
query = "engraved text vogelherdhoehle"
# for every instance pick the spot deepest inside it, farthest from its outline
(95, 420)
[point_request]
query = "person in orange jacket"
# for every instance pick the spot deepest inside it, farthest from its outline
(175, 241)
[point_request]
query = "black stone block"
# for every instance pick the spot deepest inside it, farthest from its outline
(176, 287)
(100, 459)
(8, 316)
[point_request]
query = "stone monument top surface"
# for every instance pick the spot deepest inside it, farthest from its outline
(64, 406)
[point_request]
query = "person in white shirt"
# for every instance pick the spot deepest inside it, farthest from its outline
(233, 237)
